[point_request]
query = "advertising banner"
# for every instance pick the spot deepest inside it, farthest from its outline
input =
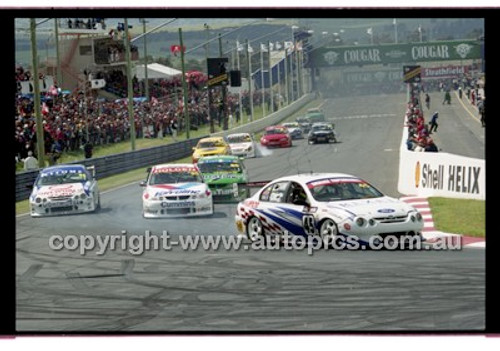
(395, 53)
(441, 174)
(444, 72)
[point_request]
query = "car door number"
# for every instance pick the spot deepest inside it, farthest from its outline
(309, 224)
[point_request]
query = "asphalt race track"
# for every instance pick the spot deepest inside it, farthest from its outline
(172, 290)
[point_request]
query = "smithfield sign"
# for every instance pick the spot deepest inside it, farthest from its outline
(395, 53)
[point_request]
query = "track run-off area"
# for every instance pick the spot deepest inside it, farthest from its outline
(217, 290)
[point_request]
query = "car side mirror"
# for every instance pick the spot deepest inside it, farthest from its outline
(143, 183)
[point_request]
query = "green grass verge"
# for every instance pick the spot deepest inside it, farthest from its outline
(459, 216)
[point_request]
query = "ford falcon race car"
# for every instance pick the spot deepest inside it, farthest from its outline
(327, 206)
(209, 147)
(226, 177)
(64, 189)
(321, 132)
(276, 136)
(175, 190)
(294, 130)
(241, 144)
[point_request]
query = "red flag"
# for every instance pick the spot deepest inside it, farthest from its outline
(175, 49)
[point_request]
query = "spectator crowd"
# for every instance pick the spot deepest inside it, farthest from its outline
(419, 131)
(70, 121)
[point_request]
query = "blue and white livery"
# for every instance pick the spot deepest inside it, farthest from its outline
(328, 206)
(175, 190)
(64, 189)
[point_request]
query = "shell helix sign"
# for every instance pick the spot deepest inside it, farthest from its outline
(442, 174)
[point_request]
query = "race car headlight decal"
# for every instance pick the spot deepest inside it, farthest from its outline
(413, 219)
(76, 197)
(249, 148)
(83, 196)
(38, 200)
(371, 221)
(419, 216)
(360, 221)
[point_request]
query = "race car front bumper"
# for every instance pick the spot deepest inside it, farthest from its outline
(181, 208)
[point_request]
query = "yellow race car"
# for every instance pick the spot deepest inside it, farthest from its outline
(209, 147)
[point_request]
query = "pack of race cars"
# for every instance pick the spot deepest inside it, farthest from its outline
(320, 205)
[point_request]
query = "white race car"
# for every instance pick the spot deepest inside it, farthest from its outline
(328, 206)
(294, 130)
(64, 189)
(241, 144)
(175, 190)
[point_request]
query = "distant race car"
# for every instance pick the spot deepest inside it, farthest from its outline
(276, 136)
(175, 190)
(241, 144)
(315, 115)
(304, 124)
(326, 205)
(226, 176)
(321, 132)
(209, 147)
(294, 130)
(64, 189)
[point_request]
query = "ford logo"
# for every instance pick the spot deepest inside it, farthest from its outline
(386, 210)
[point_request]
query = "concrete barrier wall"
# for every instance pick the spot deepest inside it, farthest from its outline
(272, 119)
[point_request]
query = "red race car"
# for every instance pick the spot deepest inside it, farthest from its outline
(276, 136)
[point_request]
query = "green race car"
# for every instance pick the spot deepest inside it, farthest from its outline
(226, 177)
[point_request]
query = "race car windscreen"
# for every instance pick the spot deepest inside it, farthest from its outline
(321, 128)
(209, 144)
(239, 139)
(331, 190)
(214, 167)
(61, 177)
(174, 177)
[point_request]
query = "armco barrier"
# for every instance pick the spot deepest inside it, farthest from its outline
(119, 163)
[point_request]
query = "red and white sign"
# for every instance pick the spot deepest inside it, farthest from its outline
(444, 72)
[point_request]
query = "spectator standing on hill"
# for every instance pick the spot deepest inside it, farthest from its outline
(87, 149)
(30, 162)
(433, 123)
